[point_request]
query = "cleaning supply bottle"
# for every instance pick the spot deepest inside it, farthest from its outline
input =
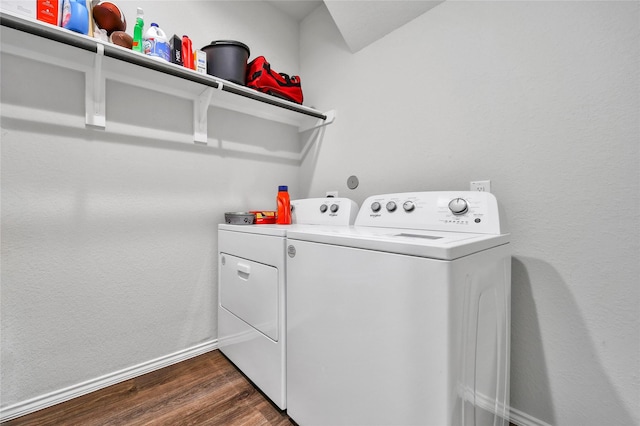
(138, 30)
(156, 44)
(284, 206)
(75, 16)
(187, 52)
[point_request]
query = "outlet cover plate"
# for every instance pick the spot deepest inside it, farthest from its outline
(480, 186)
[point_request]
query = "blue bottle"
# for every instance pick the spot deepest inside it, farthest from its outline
(75, 16)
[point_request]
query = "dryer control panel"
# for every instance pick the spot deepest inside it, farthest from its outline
(324, 211)
(460, 211)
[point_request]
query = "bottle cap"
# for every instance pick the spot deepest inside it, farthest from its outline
(154, 24)
(283, 188)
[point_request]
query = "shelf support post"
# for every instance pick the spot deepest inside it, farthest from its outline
(95, 87)
(200, 108)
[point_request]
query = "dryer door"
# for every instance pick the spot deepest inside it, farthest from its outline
(249, 290)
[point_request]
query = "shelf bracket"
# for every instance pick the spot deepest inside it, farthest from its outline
(95, 87)
(331, 116)
(200, 108)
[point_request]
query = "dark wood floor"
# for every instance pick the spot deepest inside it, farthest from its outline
(206, 390)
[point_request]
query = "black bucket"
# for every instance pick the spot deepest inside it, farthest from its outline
(227, 59)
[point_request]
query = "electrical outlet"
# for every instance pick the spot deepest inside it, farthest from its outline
(481, 186)
(332, 194)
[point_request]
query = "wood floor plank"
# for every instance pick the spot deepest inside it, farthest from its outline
(205, 390)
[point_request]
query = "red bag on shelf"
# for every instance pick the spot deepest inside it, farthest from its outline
(261, 77)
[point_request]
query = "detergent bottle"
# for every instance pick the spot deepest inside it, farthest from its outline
(156, 44)
(75, 16)
(284, 206)
(187, 52)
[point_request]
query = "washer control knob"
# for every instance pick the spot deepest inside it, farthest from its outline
(391, 206)
(458, 206)
(334, 208)
(409, 206)
(323, 208)
(375, 206)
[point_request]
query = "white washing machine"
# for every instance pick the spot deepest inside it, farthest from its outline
(404, 318)
(252, 290)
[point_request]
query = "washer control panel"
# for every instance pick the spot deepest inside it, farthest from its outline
(464, 211)
(324, 211)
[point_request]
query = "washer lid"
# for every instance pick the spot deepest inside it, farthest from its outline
(431, 244)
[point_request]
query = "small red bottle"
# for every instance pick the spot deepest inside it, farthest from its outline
(187, 52)
(284, 206)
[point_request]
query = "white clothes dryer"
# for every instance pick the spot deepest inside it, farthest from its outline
(402, 319)
(252, 290)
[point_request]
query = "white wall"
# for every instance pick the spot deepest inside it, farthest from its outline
(543, 99)
(109, 239)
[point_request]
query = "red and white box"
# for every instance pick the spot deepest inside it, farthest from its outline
(49, 11)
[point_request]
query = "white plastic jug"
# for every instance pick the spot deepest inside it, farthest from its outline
(156, 44)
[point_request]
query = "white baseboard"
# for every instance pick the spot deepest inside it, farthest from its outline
(74, 391)
(519, 418)
(506, 412)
